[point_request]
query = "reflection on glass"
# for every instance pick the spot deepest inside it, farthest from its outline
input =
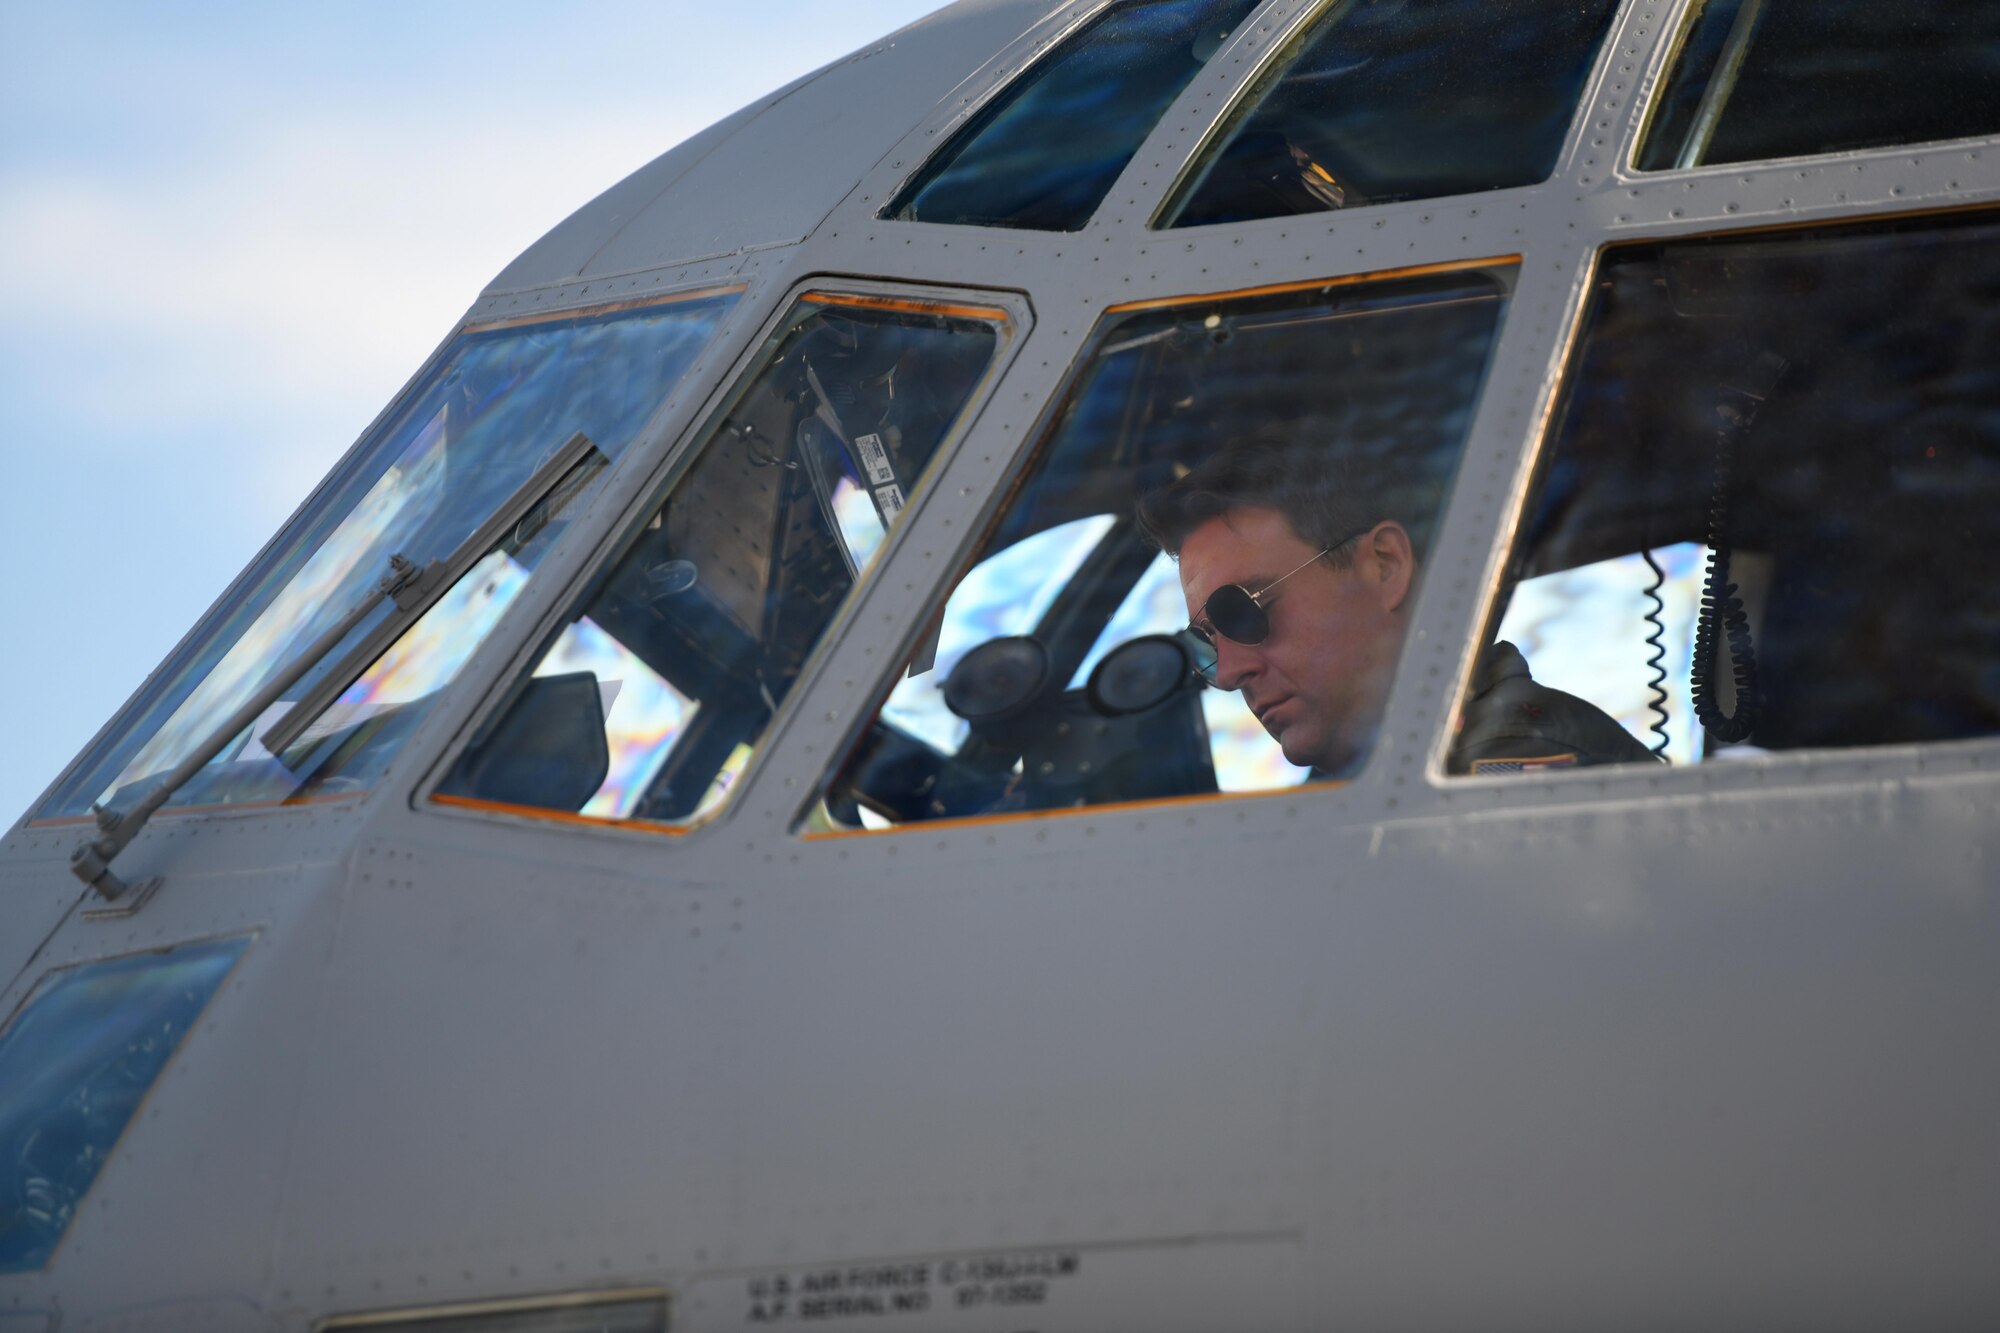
(1804, 430)
(336, 577)
(1760, 79)
(1047, 149)
(859, 519)
(348, 744)
(1059, 676)
(494, 407)
(694, 637)
(430, 653)
(74, 1066)
(643, 713)
(1381, 100)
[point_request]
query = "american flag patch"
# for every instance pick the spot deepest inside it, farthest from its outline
(1503, 767)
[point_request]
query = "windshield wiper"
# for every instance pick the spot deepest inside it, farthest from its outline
(410, 589)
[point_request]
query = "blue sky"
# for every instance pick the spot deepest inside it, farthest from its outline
(229, 232)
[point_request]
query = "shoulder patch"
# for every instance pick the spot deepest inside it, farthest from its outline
(1503, 767)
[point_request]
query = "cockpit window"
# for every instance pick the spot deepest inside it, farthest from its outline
(1384, 100)
(501, 408)
(1044, 153)
(1767, 511)
(1760, 79)
(1271, 464)
(650, 700)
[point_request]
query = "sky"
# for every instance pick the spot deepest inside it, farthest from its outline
(230, 232)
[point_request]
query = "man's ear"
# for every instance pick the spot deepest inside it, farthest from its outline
(1390, 562)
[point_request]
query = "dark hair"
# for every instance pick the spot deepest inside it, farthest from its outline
(1306, 482)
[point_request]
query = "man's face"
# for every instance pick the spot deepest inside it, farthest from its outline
(1317, 683)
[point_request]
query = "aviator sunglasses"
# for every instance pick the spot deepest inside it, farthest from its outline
(1238, 615)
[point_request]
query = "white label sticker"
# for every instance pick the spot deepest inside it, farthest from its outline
(890, 499)
(876, 459)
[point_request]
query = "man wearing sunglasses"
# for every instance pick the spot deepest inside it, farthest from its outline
(1302, 594)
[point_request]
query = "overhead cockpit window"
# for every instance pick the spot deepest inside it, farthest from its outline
(649, 701)
(1761, 79)
(1384, 100)
(1268, 466)
(1046, 150)
(454, 500)
(1768, 511)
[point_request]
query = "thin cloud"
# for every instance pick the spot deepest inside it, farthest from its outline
(228, 237)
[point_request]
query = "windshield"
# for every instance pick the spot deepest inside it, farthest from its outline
(652, 698)
(498, 404)
(1061, 673)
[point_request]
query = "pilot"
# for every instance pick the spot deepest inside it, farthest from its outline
(1304, 589)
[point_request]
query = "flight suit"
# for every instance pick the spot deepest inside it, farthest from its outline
(1512, 724)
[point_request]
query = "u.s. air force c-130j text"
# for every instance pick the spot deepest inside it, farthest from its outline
(1167, 664)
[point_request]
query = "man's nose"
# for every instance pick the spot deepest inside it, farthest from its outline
(1235, 663)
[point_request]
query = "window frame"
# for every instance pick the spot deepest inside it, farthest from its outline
(1683, 26)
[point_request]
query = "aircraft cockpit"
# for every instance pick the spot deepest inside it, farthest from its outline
(1121, 663)
(1055, 673)
(1721, 549)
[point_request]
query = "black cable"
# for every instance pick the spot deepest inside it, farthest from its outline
(1656, 641)
(1719, 603)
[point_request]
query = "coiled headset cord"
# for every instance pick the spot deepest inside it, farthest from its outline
(1722, 614)
(1657, 661)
